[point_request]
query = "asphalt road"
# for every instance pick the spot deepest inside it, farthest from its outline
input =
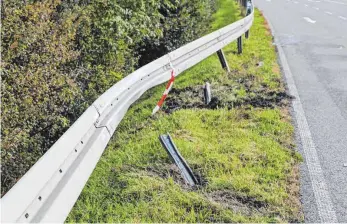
(313, 36)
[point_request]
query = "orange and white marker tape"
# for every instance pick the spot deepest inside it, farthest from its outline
(166, 92)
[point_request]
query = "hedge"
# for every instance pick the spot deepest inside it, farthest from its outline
(58, 56)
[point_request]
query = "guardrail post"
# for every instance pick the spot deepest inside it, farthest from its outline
(239, 45)
(248, 6)
(223, 60)
(243, 4)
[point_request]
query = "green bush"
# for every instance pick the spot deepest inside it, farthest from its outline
(38, 94)
(181, 24)
(59, 56)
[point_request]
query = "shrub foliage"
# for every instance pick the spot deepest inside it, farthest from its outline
(58, 56)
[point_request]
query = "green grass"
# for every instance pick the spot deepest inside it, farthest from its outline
(226, 14)
(241, 151)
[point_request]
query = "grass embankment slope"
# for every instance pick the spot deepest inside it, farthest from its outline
(240, 146)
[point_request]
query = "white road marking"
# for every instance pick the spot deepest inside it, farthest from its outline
(296, 2)
(341, 17)
(329, 13)
(309, 20)
(341, 3)
(306, 5)
(316, 8)
(325, 207)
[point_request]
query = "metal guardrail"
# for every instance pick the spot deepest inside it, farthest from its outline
(48, 191)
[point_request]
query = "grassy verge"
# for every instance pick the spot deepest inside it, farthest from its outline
(240, 146)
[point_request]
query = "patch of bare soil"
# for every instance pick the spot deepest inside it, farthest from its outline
(225, 198)
(239, 204)
(226, 96)
(171, 170)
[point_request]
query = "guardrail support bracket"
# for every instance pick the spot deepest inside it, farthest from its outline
(223, 60)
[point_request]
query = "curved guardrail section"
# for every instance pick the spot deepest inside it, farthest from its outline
(48, 191)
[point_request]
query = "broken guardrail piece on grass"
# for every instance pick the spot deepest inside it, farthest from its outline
(207, 93)
(171, 148)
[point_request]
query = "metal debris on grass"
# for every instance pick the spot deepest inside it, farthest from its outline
(171, 148)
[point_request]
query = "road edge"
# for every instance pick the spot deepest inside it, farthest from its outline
(323, 201)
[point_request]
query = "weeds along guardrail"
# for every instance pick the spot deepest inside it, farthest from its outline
(48, 191)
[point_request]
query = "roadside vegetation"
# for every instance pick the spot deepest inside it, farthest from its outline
(240, 146)
(59, 56)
